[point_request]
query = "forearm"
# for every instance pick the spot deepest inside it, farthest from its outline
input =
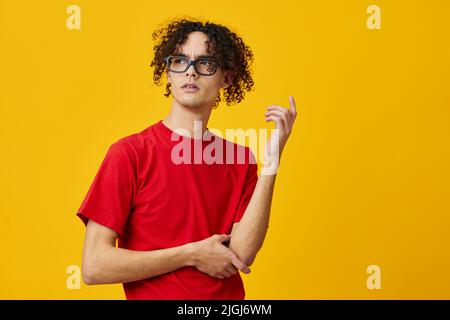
(117, 265)
(248, 236)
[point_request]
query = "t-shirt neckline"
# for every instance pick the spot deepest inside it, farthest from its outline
(169, 132)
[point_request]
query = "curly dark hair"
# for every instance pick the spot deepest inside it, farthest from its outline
(227, 48)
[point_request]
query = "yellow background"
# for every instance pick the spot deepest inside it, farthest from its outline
(364, 178)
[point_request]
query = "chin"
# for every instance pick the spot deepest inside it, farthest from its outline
(193, 102)
(190, 103)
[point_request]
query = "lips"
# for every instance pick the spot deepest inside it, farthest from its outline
(189, 86)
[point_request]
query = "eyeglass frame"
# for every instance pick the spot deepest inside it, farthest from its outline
(190, 63)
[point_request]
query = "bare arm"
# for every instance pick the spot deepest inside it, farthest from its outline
(103, 263)
(248, 235)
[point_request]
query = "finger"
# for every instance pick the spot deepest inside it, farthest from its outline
(226, 274)
(240, 265)
(231, 269)
(283, 115)
(292, 107)
(285, 121)
(283, 110)
(224, 238)
(277, 120)
(274, 106)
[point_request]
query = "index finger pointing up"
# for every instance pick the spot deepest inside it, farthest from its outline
(292, 103)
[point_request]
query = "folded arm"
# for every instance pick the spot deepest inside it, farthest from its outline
(103, 262)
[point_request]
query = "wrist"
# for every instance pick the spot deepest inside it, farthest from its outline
(270, 166)
(190, 253)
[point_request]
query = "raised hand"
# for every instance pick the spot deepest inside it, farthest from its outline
(284, 119)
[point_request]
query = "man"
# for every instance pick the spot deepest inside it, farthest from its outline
(184, 230)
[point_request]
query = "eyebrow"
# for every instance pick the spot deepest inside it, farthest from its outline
(198, 57)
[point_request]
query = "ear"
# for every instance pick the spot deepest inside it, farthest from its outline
(227, 79)
(168, 76)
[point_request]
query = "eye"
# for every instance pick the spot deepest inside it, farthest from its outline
(205, 62)
(178, 60)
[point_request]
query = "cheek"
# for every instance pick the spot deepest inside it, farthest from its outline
(212, 91)
(215, 84)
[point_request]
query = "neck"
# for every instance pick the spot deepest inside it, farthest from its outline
(184, 118)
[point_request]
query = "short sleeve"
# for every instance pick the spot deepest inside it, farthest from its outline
(249, 186)
(111, 194)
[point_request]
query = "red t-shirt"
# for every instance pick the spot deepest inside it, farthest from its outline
(154, 203)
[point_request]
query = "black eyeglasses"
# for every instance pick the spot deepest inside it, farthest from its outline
(203, 66)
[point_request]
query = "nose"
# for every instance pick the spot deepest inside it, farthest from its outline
(191, 70)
